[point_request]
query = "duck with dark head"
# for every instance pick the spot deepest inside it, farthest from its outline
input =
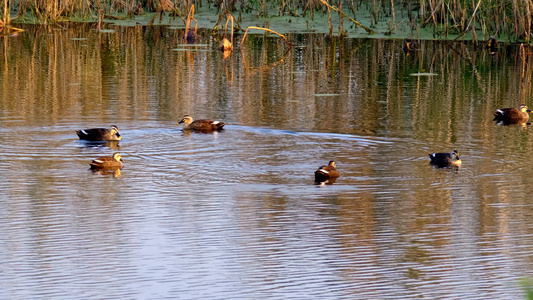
(100, 134)
(492, 45)
(445, 160)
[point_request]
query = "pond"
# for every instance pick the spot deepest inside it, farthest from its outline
(236, 213)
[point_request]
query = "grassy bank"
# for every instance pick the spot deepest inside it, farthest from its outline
(424, 19)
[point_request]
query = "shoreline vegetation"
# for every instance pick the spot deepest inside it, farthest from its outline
(509, 21)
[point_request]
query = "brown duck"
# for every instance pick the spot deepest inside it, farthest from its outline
(108, 162)
(200, 125)
(512, 115)
(324, 173)
(444, 160)
(99, 134)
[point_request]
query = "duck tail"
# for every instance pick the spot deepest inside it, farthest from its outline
(321, 175)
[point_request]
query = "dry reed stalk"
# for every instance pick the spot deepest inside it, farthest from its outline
(190, 17)
(225, 15)
(329, 24)
(163, 6)
(523, 56)
(265, 29)
(226, 26)
(393, 13)
(7, 16)
(341, 23)
(101, 15)
(527, 18)
(373, 14)
(422, 9)
(369, 30)
(468, 27)
(227, 45)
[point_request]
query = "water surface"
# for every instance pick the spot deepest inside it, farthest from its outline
(235, 214)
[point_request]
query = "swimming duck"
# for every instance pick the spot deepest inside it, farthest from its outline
(200, 125)
(410, 46)
(512, 115)
(443, 160)
(99, 134)
(225, 45)
(108, 162)
(492, 45)
(324, 173)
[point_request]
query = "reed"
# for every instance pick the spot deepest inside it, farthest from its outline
(7, 14)
(227, 45)
(267, 30)
(509, 18)
(482, 18)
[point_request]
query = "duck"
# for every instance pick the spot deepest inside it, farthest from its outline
(225, 45)
(324, 173)
(99, 134)
(200, 125)
(107, 162)
(444, 160)
(410, 46)
(492, 45)
(508, 116)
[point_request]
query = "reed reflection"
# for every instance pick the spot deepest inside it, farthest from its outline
(114, 145)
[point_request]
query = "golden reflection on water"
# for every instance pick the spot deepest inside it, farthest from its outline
(92, 71)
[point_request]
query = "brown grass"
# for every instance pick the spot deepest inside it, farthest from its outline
(511, 18)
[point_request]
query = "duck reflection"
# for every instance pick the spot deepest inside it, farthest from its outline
(523, 125)
(107, 172)
(188, 132)
(95, 144)
(326, 182)
(452, 168)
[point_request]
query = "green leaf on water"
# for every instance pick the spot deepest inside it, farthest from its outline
(193, 45)
(190, 50)
(326, 95)
(423, 74)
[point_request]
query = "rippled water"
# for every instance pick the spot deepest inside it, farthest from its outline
(235, 214)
